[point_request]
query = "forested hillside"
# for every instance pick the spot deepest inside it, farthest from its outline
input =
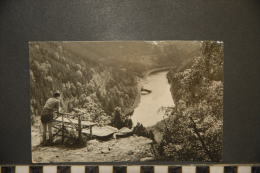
(193, 130)
(137, 56)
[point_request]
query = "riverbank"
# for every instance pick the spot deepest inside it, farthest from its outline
(136, 101)
(141, 83)
(157, 70)
(148, 110)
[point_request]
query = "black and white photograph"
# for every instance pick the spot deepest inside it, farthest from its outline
(126, 101)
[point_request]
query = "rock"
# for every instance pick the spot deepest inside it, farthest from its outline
(104, 131)
(90, 148)
(125, 130)
(92, 142)
(105, 151)
(149, 154)
(146, 159)
(130, 152)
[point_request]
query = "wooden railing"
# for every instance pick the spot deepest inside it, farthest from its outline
(77, 124)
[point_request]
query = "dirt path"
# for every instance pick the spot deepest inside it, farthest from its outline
(132, 148)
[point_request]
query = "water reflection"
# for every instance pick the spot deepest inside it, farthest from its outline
(147, 111)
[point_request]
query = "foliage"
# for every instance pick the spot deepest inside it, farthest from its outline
(140, 130)
(119, 120)
(193, 130)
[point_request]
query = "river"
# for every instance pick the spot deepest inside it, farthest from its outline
(147, 112)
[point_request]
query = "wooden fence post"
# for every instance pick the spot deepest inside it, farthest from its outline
(62, 131)
(79, 128)
(90, 129)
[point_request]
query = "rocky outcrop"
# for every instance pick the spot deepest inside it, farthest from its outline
(133, 148)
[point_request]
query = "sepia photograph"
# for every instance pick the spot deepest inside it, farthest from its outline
(126, 101)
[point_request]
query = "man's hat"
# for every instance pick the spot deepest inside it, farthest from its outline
(56, 93)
